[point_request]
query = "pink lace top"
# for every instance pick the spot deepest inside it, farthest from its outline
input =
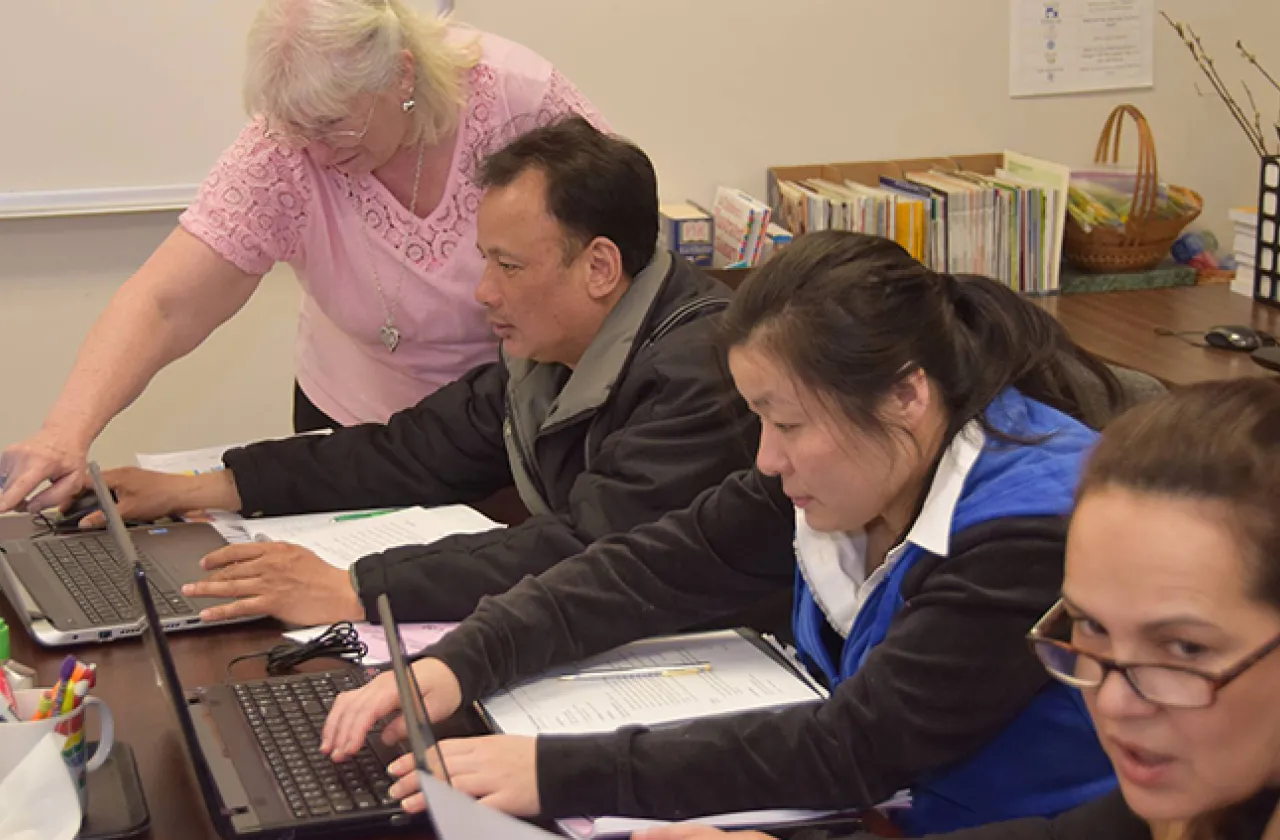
(264, 204)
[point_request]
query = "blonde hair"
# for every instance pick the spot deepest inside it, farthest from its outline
(308, 59)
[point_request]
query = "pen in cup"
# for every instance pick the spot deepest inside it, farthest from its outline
(680, 670)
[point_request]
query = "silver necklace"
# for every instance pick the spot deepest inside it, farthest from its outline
(389, 333)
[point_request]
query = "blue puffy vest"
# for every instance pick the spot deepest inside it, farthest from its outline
(1047, 759)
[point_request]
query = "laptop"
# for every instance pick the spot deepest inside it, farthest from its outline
(255, 748)
(453, 814)
(77, 588)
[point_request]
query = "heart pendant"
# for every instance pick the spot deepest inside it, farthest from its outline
(390, 337)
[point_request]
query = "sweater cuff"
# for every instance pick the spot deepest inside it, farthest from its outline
(249, 483)
(464, 656)
(578, 775)
(370, 577)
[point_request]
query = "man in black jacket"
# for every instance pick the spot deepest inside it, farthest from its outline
(608, 408)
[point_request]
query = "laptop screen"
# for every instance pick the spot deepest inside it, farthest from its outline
(158, 646)
(454, 815)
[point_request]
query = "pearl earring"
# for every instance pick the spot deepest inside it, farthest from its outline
(407, 105)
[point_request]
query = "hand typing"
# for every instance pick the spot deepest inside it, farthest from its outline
(355, 712)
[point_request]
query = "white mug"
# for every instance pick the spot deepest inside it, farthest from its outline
(18, 738)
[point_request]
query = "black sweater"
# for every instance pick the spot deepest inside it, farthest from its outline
(952, 672)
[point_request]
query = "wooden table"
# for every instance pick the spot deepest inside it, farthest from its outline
(1120, 327)
(143, 713)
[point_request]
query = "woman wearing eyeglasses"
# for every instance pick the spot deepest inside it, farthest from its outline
(1170, 622)
(357, 171)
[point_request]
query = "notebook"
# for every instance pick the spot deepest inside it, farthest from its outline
(741, 671)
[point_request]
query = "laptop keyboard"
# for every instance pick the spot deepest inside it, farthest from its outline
(96, 574)
(287, 716)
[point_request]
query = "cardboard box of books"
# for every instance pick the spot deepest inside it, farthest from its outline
(688, 231)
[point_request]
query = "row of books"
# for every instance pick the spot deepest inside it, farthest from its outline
(737, 232)
(1007, 224)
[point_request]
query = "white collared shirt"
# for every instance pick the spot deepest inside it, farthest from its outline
(834, 564)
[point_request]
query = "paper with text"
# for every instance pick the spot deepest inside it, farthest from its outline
(742, 678)
(342, 543)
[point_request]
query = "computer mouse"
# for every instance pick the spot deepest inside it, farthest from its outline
(1234, 337)
(77, 509)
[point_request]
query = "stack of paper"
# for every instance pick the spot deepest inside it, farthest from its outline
(1244, 221)
(599, 828)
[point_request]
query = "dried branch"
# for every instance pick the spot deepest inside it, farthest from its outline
(1257, 114)
(1252, 58)
(1205, 62)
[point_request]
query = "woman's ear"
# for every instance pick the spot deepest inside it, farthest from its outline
(408, 75)
(910, 399)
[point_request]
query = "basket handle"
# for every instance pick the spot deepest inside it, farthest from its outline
(1147, 184)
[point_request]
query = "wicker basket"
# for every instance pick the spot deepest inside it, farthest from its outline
(1144, 240)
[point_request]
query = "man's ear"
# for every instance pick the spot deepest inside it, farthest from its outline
(602, 263)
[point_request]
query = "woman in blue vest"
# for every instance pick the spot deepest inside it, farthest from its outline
(1170, 624)
(922, 436)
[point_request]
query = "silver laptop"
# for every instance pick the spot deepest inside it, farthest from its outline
(453, 814)
(77, 588)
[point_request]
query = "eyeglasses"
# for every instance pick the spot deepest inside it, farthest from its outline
(1163, 685)
(334, 138)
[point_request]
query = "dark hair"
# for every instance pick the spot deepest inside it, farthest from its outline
(597, 185)
(1215, 441)
(851, 315)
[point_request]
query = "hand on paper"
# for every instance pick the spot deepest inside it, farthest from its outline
(277, 579)
(48, 454)
(501, 771)
(143, 495)
(692, 831)
(355, 712)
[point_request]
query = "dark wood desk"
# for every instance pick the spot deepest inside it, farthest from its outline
(1120, 327)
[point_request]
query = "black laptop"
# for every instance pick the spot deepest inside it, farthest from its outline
(254, 747)
(77, 588)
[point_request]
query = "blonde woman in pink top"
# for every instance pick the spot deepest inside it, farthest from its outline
(356, 170)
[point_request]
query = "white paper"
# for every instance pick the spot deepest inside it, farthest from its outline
(195, 461)
(342, 543)
(457, 816)
(416, 638)
(1072, 46)
(742, 677)
(586, 828)
(188, 462)
(38, 799)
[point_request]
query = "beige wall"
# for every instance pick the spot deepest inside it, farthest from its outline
(714, 90)
(57, 274)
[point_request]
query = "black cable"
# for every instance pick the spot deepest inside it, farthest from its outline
(339, 641)
(1182, 335)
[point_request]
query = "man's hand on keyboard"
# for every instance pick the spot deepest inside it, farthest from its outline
(277, 579)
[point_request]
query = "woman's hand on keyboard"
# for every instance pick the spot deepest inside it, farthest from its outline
(355, 712)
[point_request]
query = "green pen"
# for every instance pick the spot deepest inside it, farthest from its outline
(364, 514)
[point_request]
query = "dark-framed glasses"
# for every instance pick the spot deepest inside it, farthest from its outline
(338, 138)
(1163, 685)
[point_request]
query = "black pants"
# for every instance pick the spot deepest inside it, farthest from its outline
(306, 417)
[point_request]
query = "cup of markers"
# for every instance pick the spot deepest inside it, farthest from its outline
(61, 709)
